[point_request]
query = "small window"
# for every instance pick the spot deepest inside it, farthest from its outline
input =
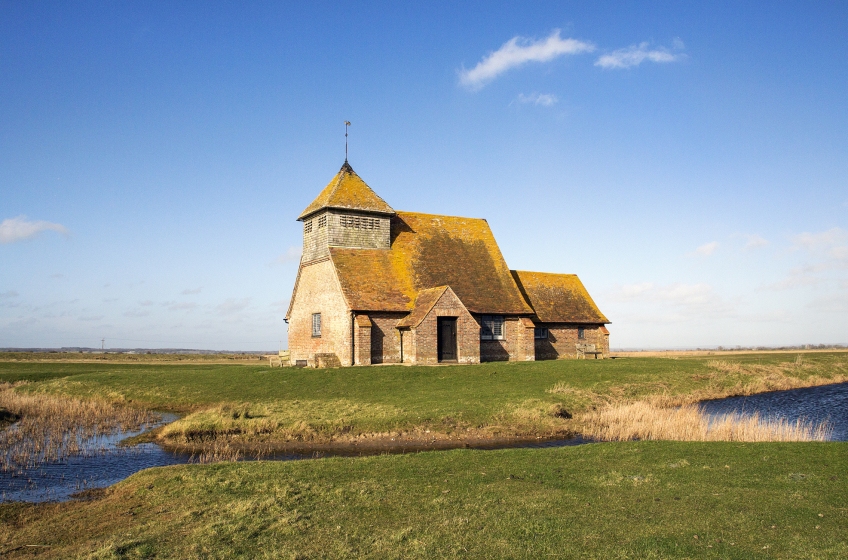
(581, 333)
(307, 227)
(316, 324)
(540, 333)
(492, 327)
(322, 221)
(359, 222)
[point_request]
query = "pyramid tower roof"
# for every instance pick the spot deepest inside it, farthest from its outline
(347, 191)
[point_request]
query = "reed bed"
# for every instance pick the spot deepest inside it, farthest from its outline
(647, 421)
(52, 428)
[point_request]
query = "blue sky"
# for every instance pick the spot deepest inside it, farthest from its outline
(688, 160)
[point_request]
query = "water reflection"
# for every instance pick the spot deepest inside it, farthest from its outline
(815, 404)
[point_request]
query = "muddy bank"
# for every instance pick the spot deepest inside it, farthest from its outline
(367, 446)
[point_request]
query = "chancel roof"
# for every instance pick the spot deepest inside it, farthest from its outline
(429, 251)
(558, 298)
(347, 192)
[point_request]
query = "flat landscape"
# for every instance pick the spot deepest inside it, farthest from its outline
(648, 499)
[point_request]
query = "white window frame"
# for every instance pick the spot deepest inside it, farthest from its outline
(492, 327)
(316, 325)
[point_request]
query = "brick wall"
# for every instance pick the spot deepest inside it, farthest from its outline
(385, 338)
(362, 340)
(562, 341)
(318, 291)
(424, 350)
(516, 346)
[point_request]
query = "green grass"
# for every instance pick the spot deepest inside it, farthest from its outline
(493, 399)
(615, 500)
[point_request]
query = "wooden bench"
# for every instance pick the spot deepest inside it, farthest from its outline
(583, 349)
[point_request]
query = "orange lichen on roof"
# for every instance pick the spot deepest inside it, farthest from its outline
(429, 251)
(423, 304)
(558, 298)
(368, 281)
(348, 192)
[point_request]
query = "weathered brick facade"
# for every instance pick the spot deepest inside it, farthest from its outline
(516, 345)
(317, 291)
(563, 339)
(420, 342)
(385, 338)
(381, 280)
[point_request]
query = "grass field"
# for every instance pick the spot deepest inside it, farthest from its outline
(650, 499)
(613, 500)
(244, 404)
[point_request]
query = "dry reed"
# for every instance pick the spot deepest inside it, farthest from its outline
(647, 421)
(53, 427)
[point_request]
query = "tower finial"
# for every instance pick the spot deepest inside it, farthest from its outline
(347, 124)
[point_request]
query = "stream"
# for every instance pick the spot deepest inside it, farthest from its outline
(107, 462)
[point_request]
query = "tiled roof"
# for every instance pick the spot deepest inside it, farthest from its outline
(558, 298)
(423, 304)
(429, 251)
(348, 192)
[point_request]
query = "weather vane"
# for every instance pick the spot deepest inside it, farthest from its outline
(347, 124)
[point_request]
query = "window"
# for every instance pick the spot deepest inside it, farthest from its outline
(540, 333)
(307, 227)
(316, 324)
(581, 333)
(359, 222)
(322, 221)
(492, 327)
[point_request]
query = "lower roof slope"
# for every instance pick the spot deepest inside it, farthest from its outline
(558, 298)
(429, 251)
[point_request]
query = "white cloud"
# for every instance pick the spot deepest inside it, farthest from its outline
(635, 55)
(755, 242)
(19, 229)
(292, 254)
(190, 291)
(705, 250)
(833, 242)
(517, 52)
(543, 99)
(9, 294)
(90, 318)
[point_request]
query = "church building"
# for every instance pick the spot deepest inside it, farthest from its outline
(377, 285)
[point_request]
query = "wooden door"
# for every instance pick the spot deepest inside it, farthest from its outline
(447, 339)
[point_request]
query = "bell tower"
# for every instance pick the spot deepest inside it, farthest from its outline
(347, 213)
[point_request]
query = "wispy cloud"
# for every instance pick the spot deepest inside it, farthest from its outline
(20, 229)
(90, 318)
(517, 52)
(705, 250)
(9, 294)
(828, 252)
(292, 254)
(755, 242)
(635, 55)
(543, 99)
(190, 291)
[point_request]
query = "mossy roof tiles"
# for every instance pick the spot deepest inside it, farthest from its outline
(558, 298)
(429, 251)
(347, 192)
(423, 304)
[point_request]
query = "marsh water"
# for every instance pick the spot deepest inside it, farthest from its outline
(107, 462)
